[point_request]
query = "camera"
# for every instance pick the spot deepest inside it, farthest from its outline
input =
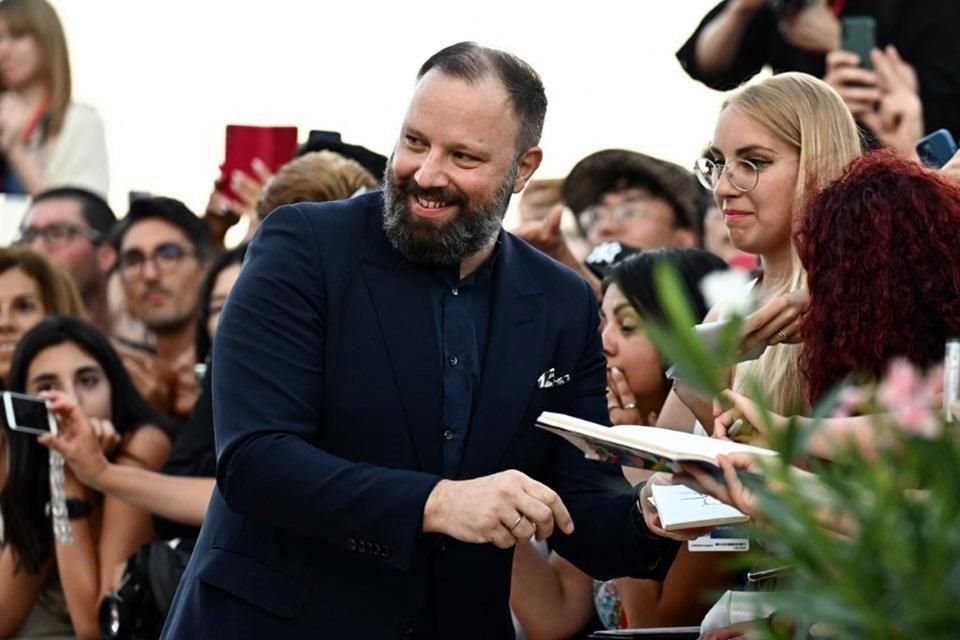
(127, 613)
(789, 6)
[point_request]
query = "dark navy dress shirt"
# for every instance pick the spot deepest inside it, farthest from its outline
(461, 312)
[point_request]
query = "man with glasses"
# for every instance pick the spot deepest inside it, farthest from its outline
(71, 226)
(623, 201)
(162, 252)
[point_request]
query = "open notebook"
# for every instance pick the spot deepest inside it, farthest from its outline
(642, 447)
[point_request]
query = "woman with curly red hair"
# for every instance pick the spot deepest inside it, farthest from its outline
(880, 247)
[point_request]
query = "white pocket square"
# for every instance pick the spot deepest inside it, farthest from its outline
(549, 379)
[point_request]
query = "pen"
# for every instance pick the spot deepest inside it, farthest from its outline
(735, 428)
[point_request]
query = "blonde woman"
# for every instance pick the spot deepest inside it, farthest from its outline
(777, 143)
(45, 139)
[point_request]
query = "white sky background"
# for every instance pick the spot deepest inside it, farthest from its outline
(168, 76)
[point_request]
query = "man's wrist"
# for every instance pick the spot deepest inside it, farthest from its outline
(434, 506)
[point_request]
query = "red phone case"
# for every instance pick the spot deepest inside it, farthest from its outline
(275, 146)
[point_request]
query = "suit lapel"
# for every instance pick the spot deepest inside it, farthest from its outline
(510, 366)
(401, 298)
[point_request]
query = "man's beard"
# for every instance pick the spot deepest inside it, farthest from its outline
(421, 240)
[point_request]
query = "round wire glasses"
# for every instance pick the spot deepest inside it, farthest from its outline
(743, 174)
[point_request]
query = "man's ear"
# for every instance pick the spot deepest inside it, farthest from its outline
(529, 162)
(106, 257)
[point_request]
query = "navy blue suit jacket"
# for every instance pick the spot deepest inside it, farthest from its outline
(327, 406)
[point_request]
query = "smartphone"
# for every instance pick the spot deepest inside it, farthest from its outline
(28, 414)
(275, 146)
(859, 37)
(937, 148)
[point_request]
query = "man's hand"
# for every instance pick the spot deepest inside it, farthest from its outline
(144, 373)
(502, 508)
(186, 388)
(814, 28)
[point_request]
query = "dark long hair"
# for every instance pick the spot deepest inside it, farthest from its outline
(635, 278)
(880, 250)
(227, 259)
(27, 529)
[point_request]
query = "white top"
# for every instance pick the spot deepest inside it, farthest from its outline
(78, 155)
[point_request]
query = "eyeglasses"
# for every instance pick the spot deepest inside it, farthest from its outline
(625, 213)
(165, 257)
(58, 235)
(743, 174)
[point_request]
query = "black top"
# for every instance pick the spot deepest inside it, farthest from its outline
(193, 456)
(923, 32)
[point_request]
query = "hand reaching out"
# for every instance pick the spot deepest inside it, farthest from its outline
(652, 519)
(779, 320)
(81, 440)
(730, 490)
(503, 509)
(743, 408)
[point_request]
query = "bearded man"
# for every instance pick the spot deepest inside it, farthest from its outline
(377, 373)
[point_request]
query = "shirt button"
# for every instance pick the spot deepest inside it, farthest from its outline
(455, 291)
(453, 360)
(448, 435)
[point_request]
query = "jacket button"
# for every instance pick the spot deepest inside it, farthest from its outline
(406, 627)
(448, 434)
(352, 544)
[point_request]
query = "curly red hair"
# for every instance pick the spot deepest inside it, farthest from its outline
(881, 247)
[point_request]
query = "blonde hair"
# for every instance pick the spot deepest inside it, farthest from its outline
(37, 18)
(808, 115)
(314, 177)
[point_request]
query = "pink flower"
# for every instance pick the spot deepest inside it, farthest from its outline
(900, 384)
(911, 398)
(851, 402)
(917, 419)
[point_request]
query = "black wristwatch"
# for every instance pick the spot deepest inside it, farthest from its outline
(76, 508)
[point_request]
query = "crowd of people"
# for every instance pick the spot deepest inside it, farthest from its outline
(355, 449)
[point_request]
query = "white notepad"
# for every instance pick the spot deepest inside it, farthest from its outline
(683, 508)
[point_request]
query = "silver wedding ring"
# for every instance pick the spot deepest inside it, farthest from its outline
(630, 405)
(783, 336)
(519, 520)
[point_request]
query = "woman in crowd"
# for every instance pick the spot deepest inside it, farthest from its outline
(884, 281)
(179, 495)
(777, 143)
(31, 287)
(46, 139)
(74, 366)
(552, 598)
(879, 247)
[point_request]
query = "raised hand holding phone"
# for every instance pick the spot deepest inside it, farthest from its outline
(28, 414)
(79, 438)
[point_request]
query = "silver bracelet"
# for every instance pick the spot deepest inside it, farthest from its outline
(62, 531)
